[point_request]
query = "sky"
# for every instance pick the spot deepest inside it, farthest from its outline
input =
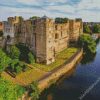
(88, 10)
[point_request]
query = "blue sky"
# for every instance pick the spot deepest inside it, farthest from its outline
(88, 10)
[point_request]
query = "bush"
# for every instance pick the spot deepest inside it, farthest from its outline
(96, 28)
(24, 50)
(14, 52)
(89, 45)
(18, 69)
(31, 58)
(4, 61)
(1, 33)
(86, 29)
(61, 20)
(34, 91)
(10, 91)
(16, 66)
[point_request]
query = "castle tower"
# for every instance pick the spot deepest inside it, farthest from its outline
(76, 29)
(45, 40)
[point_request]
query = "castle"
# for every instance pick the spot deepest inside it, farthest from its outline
(44, 36)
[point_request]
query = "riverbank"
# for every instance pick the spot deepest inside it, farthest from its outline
(55, 74)
(72, 86)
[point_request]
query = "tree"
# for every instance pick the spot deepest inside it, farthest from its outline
(34, 91)
(17, 66)
(86, 29)
(4, 61)
(61, 20)
(96, 28)
(18, 69)
(14, 52)
(31, 58)
(13, 64)
(10, 91)
(24, 50)
(89, 45)
(34, 17)
(1, 33)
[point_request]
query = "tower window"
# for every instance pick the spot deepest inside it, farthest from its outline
(61, 34)
(56, 36)
(56, 27)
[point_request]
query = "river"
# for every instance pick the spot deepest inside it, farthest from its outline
(81, 83)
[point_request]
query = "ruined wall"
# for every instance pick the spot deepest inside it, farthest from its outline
(76, 29)
(61, 36)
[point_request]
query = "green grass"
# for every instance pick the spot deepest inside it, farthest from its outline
(59, 60)
(24, 78)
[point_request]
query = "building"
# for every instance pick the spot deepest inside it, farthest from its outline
(44, 36)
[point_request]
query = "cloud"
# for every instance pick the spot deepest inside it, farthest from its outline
(87, 9)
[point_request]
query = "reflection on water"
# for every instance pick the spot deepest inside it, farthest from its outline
(72, 85)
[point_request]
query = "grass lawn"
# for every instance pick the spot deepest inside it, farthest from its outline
(25, 78)
(59, 60)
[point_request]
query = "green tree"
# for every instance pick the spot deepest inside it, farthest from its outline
(16, 66)
(96, 28)
(31, 58)
(86, 29)
(34, 91)
(13, 64)
(61, 20)
(10, 91)
(18, 69)
(34, 17)
(14, 52)
(1, 33)
(89, 45)
(4, 61)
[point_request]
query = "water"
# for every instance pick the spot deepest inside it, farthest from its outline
(81, 83)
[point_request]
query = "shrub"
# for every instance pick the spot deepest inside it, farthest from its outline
(14, 52)
(24, 50)
(1, 33)
(96, 28)
(61, 20)
(10, 91)
(31, 58)
(86, 29)
(89, 45)
(34, 91)
(18, 69)
(4, 61)
(16, 66)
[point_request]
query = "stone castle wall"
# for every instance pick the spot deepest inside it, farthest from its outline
(43, 36)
